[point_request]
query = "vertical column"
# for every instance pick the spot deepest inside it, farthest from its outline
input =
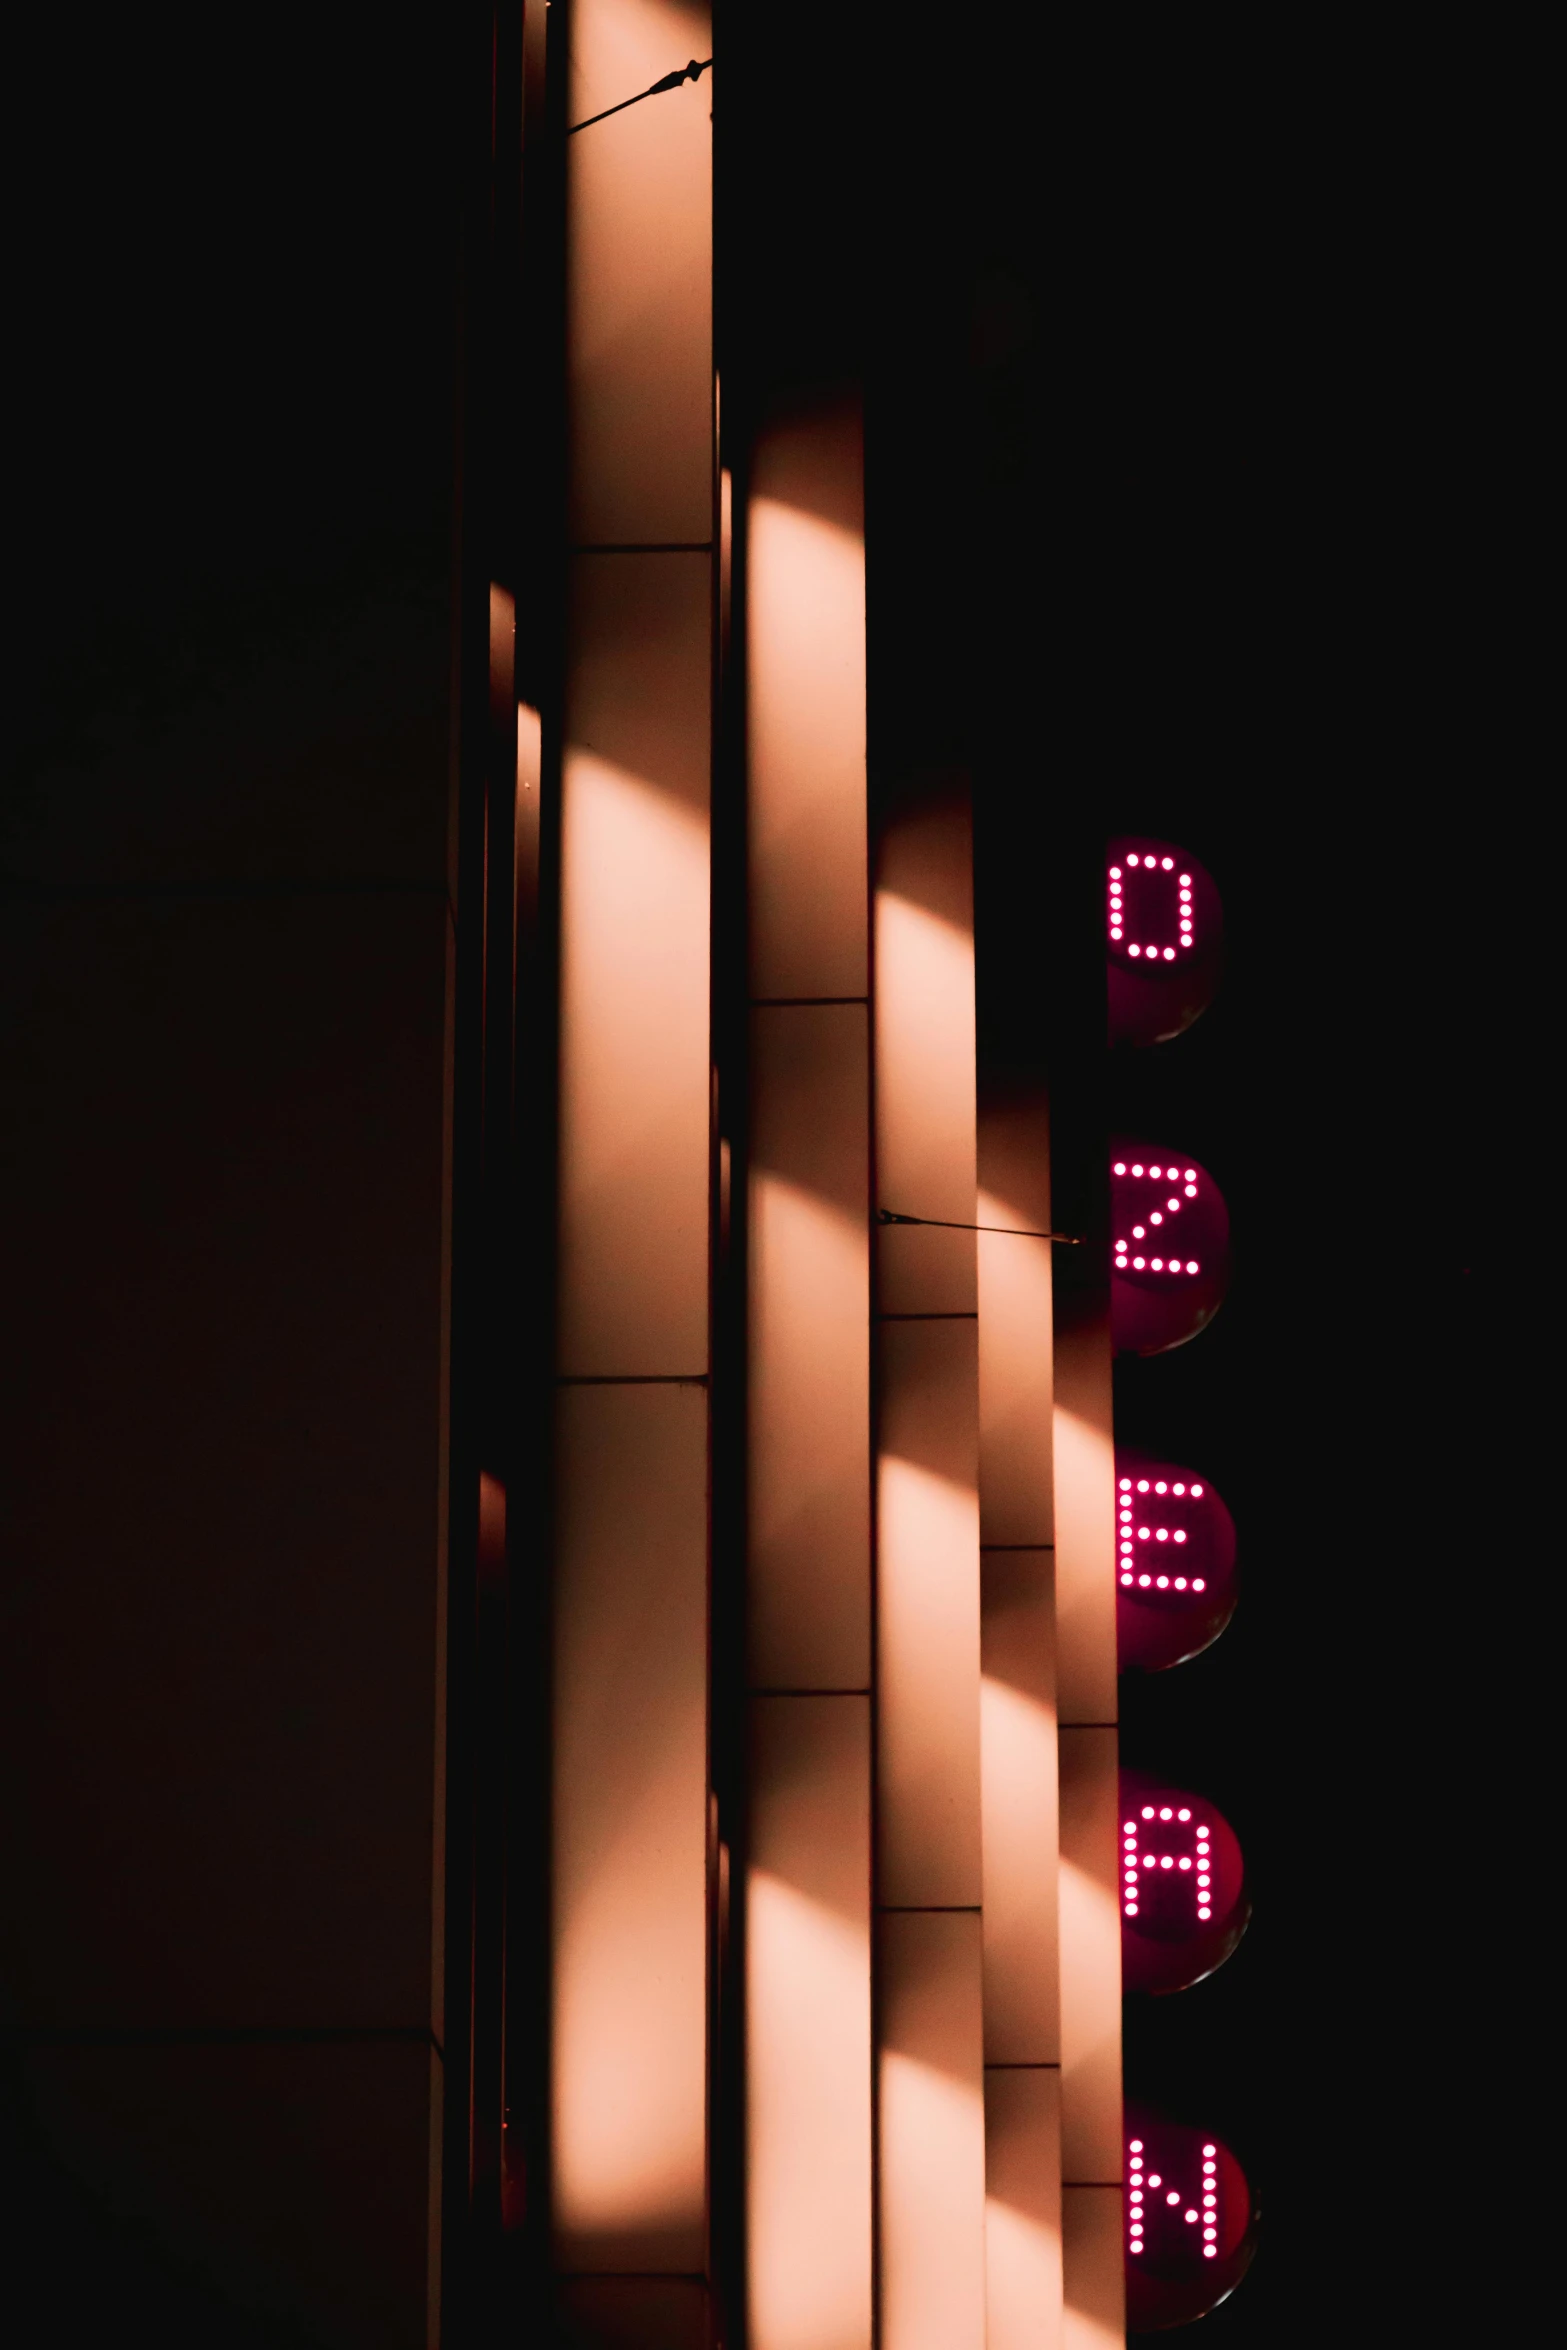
(1018, 1729)
(1090, 1912)
(932, 2187)
(630, 1896)
(808, 1875)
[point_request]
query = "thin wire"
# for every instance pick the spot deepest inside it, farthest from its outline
(1017, 1231)
(671, 81)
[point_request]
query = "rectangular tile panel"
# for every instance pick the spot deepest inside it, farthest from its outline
(639, 295)
(1018, 1783)
(932, 2185)
(1094, 2269)
(1090, 1958)
(925, 1146)
(630, 1829)
(808, 2024)
(808, 1252)
(635, 919)
(1023, 2208)
(927, 1614)
(805, 713)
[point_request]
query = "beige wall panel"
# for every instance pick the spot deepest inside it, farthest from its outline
(927, 1615)
(1015, 1334)
(1085, 1513)
(1093, 2265)
(1090, 1958)
(931, 2090)
(1023, 2209)
(805, 671)
(635, 907)
(1019, 1798)
(925, 1142)
(808, 2025)
(630, 1828)
(640, 278)
(809, 1393)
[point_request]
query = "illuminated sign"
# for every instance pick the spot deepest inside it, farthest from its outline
(1169, 1248)
(1190, 2222)
(1174, 1563)
(1183, 1886)
(1164, 937)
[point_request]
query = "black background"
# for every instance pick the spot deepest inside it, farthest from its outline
(1201, 481)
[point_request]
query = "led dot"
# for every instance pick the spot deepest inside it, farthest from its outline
(1191, 1267)
(1144, 1580)
(1163, 1582)
(1157, 1264)
(1183, 1813)
(1136, 1170)
(1190, 2216)
(1198, 1584)
(1174, 1206)
(1203, 1916)
(1196, 1493)
(1150, 1860)
(1142, 1533)
(1134, 950)
(1183, 1862)
(1172, 2197)
(1156, 1217)
(1137, 1264)
(1127, 1578)
(1168, 863)
(1161, 1534)
(1131, 1909)
(1119, 1168)
(1186, 942)
(1148, 1811)
(1139, 1232)
(1115, 934)
(1125, 1484)
(1177, 1489)
(1131, 860)
(1209, 2251)
(1166, 1813)
(1191, 1174)
(1210, 2150)
(1154, 2179)
(1180, 1531)
(1115, 873)
(1169, 954)
(1137, 2147)
(1155, 1173)
(1180, 1582)
(1142, 1485)
(1186, 880)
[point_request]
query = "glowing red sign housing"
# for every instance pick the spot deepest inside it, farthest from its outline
(1191, 2222)
(1184, 1905)
(1169, 1248)
(1164, 933)
(1174, 1563)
